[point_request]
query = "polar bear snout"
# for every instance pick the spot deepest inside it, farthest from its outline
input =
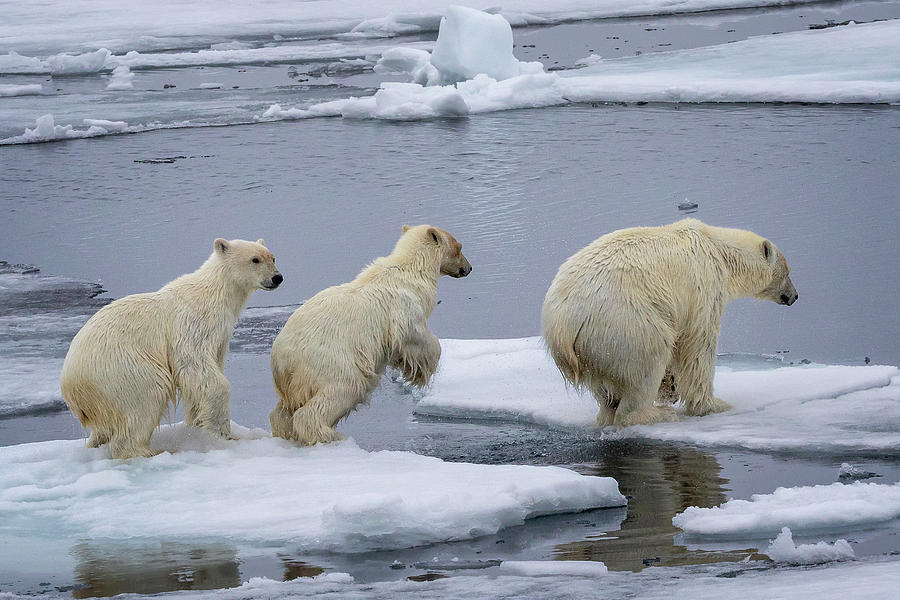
(788, 293)
(276, 280)
(464, 270)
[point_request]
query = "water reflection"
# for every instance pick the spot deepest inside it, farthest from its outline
(659, 481)
(108, 569)
(294, 568)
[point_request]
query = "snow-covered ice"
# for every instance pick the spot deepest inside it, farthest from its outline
(46, 130)
(546, 568)
(335, 497)
(810, 408)
(848, 64)
(121, 79)
(30, 89)
(833, 507)
(70, 25)
(852, 63)
(471, 42)
(29, 385)
(848, 471)
(783, 550)
(39, 314)
(104, 60)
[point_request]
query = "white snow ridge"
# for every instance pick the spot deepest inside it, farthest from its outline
(783, 550)
(334, 497)
(809, 508)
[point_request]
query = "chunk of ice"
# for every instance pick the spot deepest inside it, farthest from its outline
(783, 550)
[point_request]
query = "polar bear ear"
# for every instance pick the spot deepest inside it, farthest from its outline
(405, 228)
(261, 242)
(220, 245)
(435, 235)
(768, 251)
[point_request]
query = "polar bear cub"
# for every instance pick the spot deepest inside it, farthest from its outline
(635, 315)
(127, 363)
(335, 347)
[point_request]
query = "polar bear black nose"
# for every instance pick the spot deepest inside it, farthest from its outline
(785, 299)
(277, 279)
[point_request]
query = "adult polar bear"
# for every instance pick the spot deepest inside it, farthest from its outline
(125, 365)
(638, 301)
(335, 347)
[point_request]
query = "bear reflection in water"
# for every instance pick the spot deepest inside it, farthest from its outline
(659, 481)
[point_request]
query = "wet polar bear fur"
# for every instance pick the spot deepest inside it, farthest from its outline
(635, 315)
(335, 347)
(126, 364)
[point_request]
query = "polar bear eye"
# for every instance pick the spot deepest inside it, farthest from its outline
(256, 260)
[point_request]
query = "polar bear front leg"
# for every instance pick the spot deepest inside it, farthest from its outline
(207, 398)
(419, 356)
(694, 368)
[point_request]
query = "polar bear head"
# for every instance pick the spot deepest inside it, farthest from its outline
(445, 246)
(780, 289)
(250, 263)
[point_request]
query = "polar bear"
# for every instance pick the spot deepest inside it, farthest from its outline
(125, 365)
(335, 347)
(635, 315)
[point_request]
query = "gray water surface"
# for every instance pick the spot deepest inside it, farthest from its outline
(522, 190)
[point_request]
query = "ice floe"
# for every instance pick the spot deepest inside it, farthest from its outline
(848, 64)
(121, 79)
(809, 408)
(832, 507)
(783, 550)
(851, 63)
(335, 497)
(471, 42)
(133, 24)
(104, 60)
(39, 315)
(848, 471)
(46, 130)
(30, 89)
(545, 568)
(29, 386)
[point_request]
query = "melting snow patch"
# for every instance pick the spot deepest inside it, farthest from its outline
(810, 408)
(783, 550)
(809, 508)
(334, 497)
